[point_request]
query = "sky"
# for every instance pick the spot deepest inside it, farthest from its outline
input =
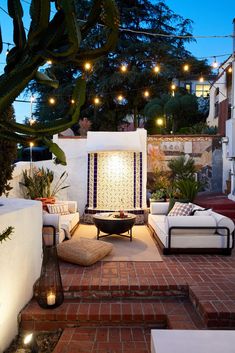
(210, 18)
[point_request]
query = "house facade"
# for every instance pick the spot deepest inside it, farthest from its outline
(221, 97)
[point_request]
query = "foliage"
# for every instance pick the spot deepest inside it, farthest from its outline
(84, 126)
(8, 153)
(6, 234)
(177, 111)
(57, 36)
(159, 194)
(199, 128)
(139, 53)
(182, 168)
(188, 188)
(158, 180)
(38, 183)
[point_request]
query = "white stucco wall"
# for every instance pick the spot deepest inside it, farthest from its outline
(20, 261)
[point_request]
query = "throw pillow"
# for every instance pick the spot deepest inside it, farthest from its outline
(181, 209)
(58, 208)
(205, 212)
(83, 251)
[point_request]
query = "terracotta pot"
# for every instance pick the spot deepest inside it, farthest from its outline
(45, 201)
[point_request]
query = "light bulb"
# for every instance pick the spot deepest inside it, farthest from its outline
(173, 86)
(156, 69)
(159, 121)
(51, 100)
(146, 94)
(49, 62)
(120, 98)
(230, 70)
(215, 64)
(201, 79)
(186, 67)
(31, 144)
(96, 100)
(72, 101)
(87, 66)
(123, 68)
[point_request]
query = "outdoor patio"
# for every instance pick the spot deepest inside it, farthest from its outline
(111, 306)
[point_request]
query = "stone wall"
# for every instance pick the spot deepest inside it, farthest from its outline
(205, 149)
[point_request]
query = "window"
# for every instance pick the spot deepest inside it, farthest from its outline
(202, 90)
(187, 86)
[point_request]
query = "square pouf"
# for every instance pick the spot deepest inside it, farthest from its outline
(83, 251)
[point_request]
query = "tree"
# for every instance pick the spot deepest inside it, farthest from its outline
(59, 39)
(8, 153)
(177, 111)
(140, 53)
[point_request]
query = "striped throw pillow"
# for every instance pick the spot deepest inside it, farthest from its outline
(58, 208)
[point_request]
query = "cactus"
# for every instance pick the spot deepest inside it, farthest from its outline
(6, 234)
(59, 40)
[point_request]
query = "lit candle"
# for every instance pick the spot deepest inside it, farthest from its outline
(50, 298)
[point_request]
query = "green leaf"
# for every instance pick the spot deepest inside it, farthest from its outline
(46, 80)
(56, 150)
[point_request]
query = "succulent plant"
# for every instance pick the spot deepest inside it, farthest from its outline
(58, 39)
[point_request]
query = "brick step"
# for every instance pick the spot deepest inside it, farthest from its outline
(126, 291)
(160, 313)
(120, 339)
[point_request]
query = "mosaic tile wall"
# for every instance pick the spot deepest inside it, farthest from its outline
(114, 180)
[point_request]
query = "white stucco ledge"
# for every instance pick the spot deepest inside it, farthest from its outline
(193, 341)
(20, 261)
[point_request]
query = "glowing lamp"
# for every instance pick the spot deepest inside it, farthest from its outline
(87, 66)
(72, 101)
(96, 100)
(201, 79)
(160, 122)
(49, 62)
(173, 86)
(230, 70)
(123, 68)
(186, 68)
(31, 144)
(120, 98)
(156, 69)
(51, 100)
(146, 94)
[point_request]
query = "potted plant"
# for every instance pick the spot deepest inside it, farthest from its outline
(38, 184)
(158, 196)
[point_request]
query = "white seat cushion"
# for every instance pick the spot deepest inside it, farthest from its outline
(68, 222)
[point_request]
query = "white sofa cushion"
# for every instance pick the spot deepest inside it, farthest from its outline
(159, 208)
(68, 222)
(192, 221)
(223, 221)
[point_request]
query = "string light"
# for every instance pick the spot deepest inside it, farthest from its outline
(173, 86)
(156, 69)
(120, 98)
(146, 94)
(31, 144)
(159, 122)
(87, 66)
(215, 64)
(72, 101)
(49, 62)
(52, 100)
(123, 68)
(201, 79)
(96, 101)
(186, 67)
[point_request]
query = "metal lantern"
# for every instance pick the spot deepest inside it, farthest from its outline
(48, 289)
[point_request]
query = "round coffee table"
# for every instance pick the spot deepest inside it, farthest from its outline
(111, 223)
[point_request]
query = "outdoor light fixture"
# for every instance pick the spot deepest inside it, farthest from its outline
(123, 68)
(30, 342)
(146, 94)
(173, 86)
(230, 70)
(160, 122)
(87, 66)
(48, 290)
(52, 100)
(215, 64)
(186, 67)
(156, 69)
(96, 100)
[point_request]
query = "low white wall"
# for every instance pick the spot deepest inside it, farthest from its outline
(20, 261)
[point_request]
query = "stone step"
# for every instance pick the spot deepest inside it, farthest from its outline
(158, 313)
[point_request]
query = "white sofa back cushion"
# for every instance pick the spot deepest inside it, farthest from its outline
(191, 221)
(223, 221)
(159, 208)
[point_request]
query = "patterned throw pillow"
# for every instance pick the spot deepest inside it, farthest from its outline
(58, 208)
(181, 209)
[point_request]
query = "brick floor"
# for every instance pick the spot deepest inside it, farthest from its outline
(182, 292)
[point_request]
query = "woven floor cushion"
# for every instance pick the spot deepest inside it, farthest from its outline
(83, 251)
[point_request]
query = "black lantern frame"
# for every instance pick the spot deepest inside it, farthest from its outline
(48, 290)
